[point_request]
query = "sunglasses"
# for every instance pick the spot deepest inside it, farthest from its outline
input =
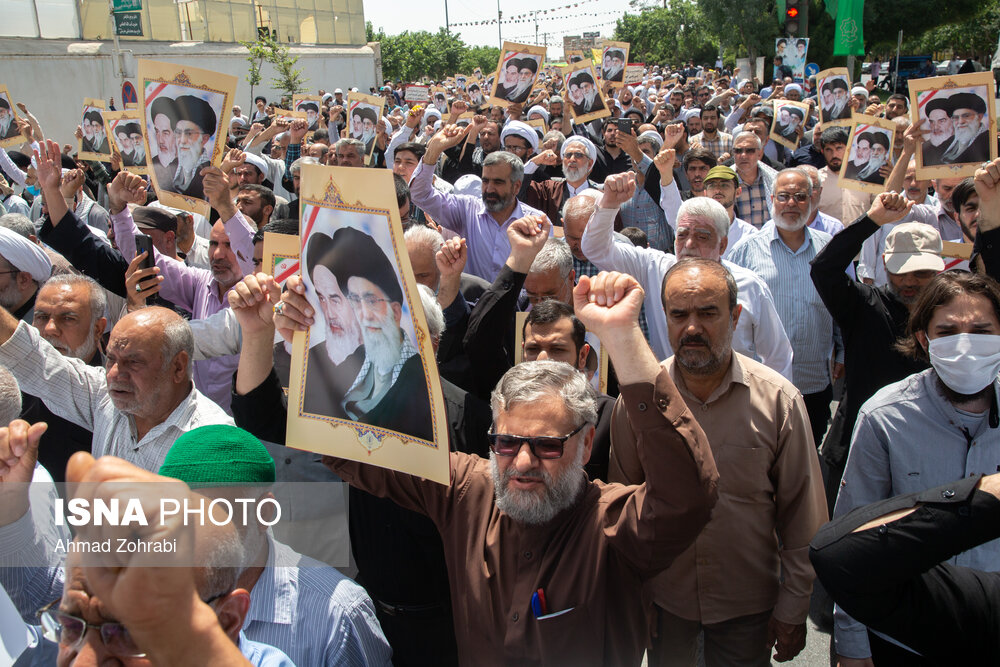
(542, 447)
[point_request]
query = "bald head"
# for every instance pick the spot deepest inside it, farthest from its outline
(576, 213)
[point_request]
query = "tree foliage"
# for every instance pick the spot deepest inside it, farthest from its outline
(975, 36)
(412, 55)
(668, 35)
(746, 27)
(289, 79)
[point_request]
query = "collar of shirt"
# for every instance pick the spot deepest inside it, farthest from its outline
(735, 375)
(771, 230)
(274, 595)
(179, 417)
(577, 190)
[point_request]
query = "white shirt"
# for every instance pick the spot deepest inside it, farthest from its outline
(79, 393)
(759, 334)
(670, 202)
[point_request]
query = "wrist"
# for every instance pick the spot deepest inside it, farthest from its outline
(519, 264)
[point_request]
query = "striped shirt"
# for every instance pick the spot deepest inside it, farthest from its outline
(722, 144)
(754, 201)
(806, 320)
(79, 393)
(314, 613)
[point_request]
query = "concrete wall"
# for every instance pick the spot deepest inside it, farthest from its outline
(53, 76)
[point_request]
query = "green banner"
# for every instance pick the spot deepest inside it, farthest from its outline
(849, 39)
(128, 24)
(126, 5)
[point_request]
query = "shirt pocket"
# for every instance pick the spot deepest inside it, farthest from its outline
(744, 471)
(560, 641)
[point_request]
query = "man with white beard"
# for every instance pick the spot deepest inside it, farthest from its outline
(578, 155)
(367, 118)
(194, 126)
(862, 153)
(971, 143)
(389, 389)
(8, 128)
(941, 131)
(614, 65)
(781, 253)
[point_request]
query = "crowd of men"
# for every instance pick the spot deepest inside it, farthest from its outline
(736, 288)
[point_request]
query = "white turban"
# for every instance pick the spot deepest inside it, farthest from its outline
(516, 128)
(470, 184)
(429, 112)
(539, 110)
(654, 136)
(860, 90)
(587, 143)
(793, 86)
(257, 161)
(24, 255)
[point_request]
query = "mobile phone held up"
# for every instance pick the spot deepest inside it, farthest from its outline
(144, 243)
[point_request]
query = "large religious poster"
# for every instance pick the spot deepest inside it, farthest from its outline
(868, 156)
(94, 143)
(184, 110)
(959, 115)
(364, 382)
(519, 67)
(583, 92)
(363, 115)
(125, 130)
(10, 136)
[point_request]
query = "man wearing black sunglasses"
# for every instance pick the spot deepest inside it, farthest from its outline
(544, 566)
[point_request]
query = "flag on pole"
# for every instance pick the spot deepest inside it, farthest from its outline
(849, 39)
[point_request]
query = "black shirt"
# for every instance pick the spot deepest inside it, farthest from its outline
(606, 165)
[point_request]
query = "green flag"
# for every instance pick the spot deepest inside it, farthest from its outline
(849, 39)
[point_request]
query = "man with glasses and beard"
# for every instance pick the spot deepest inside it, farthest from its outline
(780, 253)
(971, 140)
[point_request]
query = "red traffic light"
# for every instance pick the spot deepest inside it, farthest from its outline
(791, 12)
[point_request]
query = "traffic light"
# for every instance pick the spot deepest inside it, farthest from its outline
(797, 18)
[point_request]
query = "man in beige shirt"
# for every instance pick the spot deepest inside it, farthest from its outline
(747, 579)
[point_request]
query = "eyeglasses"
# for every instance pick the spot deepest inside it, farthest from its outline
(744, 151)
(369, 300)
(785, 197)
(6, 272)
(542, 447)
(576, 156)
(71, 631)
(515, 149)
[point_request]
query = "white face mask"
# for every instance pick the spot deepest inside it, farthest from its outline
(966, 363)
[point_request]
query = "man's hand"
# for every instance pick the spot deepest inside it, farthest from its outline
(458, 107)
(297, 130)
(24, 127)
(253, 300)
(49, 166)
(450, 135)
(547, 158)
(618, 189)
(630, 144)
(72, 182)
(751, 101)
(672, 134)
(451, 258)
(234, 158)
(125, 189)
(527, 235)
(889, 207)
(147, 280)
(216, 186)
(912, 136)
(414, 117)
(787, 640)
(18, 454)
(987, 182)
(664, 162)
(608, 303)
(293, 313)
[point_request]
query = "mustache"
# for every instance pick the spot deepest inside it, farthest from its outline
(701, 340)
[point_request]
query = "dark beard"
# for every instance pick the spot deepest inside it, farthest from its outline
(960, 399)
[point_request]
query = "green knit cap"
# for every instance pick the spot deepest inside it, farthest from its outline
(219, 455)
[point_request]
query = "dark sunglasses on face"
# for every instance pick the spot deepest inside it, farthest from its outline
(542, 447)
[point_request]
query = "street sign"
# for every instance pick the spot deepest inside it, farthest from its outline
(126, 5)
(128, 24)
(128, 93)
(812, 69)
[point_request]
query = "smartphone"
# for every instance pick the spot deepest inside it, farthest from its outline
(625, 124)
(144, 243)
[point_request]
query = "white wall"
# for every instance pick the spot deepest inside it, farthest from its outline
(53, 76)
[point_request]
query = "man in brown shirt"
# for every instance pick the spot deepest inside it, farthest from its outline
(746, 581)
(527, 527)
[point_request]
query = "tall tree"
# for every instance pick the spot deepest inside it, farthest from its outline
(745, 26)
(667, 35)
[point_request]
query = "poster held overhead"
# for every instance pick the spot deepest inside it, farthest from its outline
(582, 92)
(868, 156)
(517, 71)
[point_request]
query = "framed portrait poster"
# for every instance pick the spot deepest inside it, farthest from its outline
(613, 61)
(364, 383)
(517, 72)
(960, 115)
(125, 130)
(363, 115)
(312, 106)
(10, 136)
(94, 144)
(869, 148)
(583, 93)
(281, 260)
(789, 117)
(184, 111)
(573, 56)
(439, 99)
(834, 94)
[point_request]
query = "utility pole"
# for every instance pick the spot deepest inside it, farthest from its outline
(447, 25)
(500, 27)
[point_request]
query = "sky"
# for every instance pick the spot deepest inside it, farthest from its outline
(395, 16)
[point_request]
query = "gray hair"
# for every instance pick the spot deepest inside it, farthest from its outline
(555, 254)
(359, 146)
(432, 310)
(706, 207)
(557, 135)
(297, 165)
(178, 337)
(509, 159)
(582, 205)
(555, 99)
(424, 236)
(813, 175)
(10, 397)
(531, 381)
(798, 171)
(95, 293)
(748, 133)
(19, 224)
